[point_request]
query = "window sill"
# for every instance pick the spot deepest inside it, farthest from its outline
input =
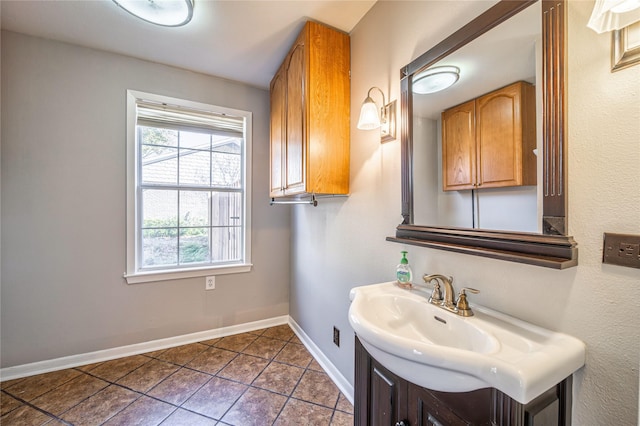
(145, 277)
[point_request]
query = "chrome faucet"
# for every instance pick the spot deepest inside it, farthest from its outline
(444, 299)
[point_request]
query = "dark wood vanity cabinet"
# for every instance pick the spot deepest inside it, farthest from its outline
(385, 399)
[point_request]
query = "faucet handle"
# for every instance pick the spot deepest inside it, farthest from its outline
(462, 304)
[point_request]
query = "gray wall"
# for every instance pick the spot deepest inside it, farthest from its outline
(63, 208)
(341, 244)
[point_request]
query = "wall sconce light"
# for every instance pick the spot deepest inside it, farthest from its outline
(610, 15)
(371, 118)
(168, 13)
(435, 79)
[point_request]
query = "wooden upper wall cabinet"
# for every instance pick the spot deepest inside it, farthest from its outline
(488, 142)
(310, 103)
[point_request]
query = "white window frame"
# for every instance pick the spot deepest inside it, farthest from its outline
(134, 274)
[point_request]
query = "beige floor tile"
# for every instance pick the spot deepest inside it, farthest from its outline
(294, 354)
(282, 332)
(182, 355)
(212, 360)
(315, 366)
(34, 386)
(69, 394)
(25, 416)
(342, 419)
(144, 411)
(178, 387)
(264, 347)
(211, 342)
(344, 404)
(280, 378)
(148, 375)
(100, 407)
(318, 388)
(237, 342)
(155, 354)
(243, 368)
(215, 397)
(300, 413)
(182, 417)
(8, 403)
(8, 383)
(255, 407)
(115, 369)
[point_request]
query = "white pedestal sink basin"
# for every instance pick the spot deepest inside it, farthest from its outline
(440, 350)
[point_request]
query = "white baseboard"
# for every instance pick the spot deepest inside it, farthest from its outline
(341, 382)
(40, 367)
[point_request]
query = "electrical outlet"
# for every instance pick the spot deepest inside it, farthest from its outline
(210, 283)
(621, 249)
(336, 336)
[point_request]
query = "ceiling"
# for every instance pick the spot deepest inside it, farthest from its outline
(239, 40)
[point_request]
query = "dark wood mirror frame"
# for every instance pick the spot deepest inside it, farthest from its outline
(553, 248)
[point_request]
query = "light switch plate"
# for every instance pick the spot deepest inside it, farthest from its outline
(621, 249)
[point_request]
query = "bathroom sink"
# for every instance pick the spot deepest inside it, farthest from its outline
(440, 350)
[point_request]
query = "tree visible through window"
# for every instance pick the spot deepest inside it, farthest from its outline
(190, 188)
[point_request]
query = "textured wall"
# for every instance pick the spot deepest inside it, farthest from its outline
(341, 244)
(63, 208)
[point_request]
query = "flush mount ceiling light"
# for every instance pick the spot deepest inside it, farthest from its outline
(168, 13)
(610, 15)
(435, 79)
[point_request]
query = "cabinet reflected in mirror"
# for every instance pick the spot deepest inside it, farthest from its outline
(479, 170)
(523, 222)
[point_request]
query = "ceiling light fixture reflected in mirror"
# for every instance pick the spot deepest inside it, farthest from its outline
(168, 13)
(435, 79)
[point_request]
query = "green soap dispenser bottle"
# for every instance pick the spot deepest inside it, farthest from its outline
(403, 272)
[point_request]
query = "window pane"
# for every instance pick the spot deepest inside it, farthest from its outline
(159, 208)
(226, 209)
(160, 247)
(226, 170)
(195, 140)
(156, 136)
(159, 165)
(226, 244)
(194, 167)
(194, 245)
(194, 208)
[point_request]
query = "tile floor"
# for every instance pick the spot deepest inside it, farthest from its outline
(264, 377)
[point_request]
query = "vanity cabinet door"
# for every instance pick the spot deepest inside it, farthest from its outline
(381, 398)
(431, 408)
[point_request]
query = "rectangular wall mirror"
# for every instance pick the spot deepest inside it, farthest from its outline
(484, 160)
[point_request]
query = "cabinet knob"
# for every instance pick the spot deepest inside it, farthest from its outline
(402, 423)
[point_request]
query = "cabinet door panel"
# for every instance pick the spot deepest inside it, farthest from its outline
(458, 147)
(295, 154)
(278, 135)
(499, 137)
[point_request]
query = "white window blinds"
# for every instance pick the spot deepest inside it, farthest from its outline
(154, 114)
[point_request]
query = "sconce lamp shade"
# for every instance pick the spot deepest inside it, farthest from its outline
(609, 15)
(168, 13)
(369, 115)
(435, 79)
